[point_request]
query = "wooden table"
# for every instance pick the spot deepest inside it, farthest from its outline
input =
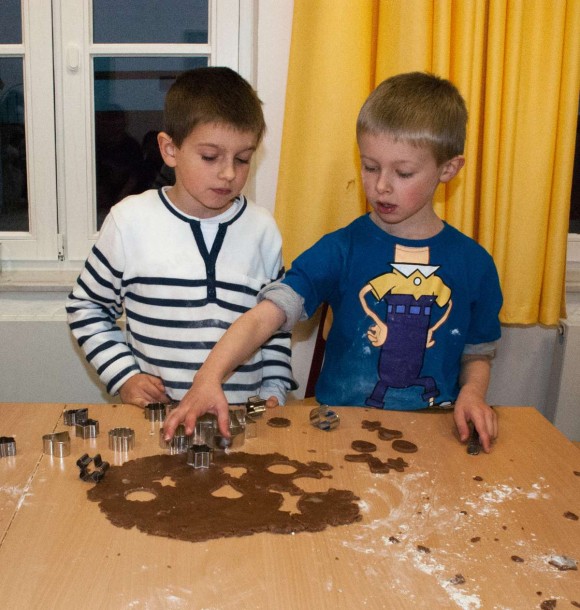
(442, 534)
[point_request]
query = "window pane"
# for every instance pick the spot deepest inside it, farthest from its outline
(10, 22)
(13, 183)
(129, 97)
(150, 21)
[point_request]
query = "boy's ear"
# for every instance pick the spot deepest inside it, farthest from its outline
(166, 148)
(451, 168)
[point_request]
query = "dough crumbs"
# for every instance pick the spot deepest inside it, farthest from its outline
(279, 422)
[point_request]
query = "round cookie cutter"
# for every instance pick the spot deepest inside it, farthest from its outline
(324, 418)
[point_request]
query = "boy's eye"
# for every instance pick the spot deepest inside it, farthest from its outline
(208, 158)
(370, 168)
(404, 174)
(242, 161)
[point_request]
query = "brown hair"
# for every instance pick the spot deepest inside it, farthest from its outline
(419, 108)
(212, 95)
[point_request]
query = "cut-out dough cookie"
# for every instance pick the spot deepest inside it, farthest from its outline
(404, 446)
(363, 446)
(278, 422)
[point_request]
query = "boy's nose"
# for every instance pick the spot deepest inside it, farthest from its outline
(383, 184)
(227, 171)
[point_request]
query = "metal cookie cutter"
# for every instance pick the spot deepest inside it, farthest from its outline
(89, 428)
(57, 444)
(179, 443)
(7, 446)
(255, 406)
(324, 418)
(199, 456)
(155, 411)
(97, 472)
(237, 430)
(75, 416)
(121, 439)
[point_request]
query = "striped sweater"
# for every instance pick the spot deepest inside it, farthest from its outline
(151, 262)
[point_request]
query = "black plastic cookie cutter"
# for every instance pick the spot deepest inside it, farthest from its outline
(94, 473)
(7, 446)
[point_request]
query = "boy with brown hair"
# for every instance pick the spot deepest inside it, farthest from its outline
(185, 261)
(432, 293)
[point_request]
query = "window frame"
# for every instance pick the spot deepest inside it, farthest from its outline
(58, 51)
(41, 240)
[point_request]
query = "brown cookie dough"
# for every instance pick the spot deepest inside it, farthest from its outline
(357, 457)
(278, 422)
(404, 446)
(370, 425)
(388, 435)
(363, 446)
(192, 506)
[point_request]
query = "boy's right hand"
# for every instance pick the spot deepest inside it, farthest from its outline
(204, 396)
(142, 390)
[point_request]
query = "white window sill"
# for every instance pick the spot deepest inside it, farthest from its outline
(37, 280)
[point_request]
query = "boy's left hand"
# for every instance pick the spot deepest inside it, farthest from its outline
(470, 408)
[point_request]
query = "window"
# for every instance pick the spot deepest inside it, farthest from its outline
(574, 231)
(82, 85)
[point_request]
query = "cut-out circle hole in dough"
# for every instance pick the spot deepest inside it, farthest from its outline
(227, 491)
(281, 469)
(140, 495)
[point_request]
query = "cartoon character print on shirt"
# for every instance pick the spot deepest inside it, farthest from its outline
(410, 291)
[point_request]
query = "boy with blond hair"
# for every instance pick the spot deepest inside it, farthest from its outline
(432, 293)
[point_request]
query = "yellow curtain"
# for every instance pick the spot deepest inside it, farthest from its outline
(517, 63)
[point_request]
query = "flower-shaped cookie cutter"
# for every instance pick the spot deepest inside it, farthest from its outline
(155, 411)
(121, 439)
(324, 418)
(97, 472)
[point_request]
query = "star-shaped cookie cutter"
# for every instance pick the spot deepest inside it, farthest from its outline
(199, 456)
